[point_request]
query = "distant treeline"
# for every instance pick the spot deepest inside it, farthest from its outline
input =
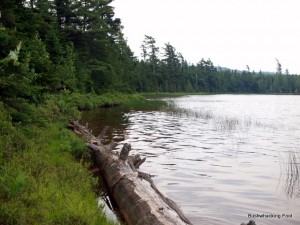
(172, 73)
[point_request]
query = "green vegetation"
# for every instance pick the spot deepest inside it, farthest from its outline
(138, 102)
(41, 182)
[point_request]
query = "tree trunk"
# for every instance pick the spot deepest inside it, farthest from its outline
(134, 192)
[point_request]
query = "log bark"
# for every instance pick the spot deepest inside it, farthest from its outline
(134, 192)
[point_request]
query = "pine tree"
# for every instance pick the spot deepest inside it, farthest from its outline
(172, 65)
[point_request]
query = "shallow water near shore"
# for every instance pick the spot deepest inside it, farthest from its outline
(222, 158)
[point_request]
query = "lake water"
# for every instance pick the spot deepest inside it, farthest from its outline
(225, 159)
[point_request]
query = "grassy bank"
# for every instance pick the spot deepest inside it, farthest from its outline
(43, 176)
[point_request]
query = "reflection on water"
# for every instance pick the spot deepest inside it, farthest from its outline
(219, 122)
(220, 157)
(291, 174)
(112, 117)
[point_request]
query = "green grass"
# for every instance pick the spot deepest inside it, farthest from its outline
(139, 102)
(68, 103)
(44, 184)
(43, 175)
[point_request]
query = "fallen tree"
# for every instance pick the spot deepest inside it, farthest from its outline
(137, 197)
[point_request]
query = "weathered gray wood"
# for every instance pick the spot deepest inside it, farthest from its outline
(138, 199)
(125, 152)
(131, 164)
(139, 163)
(112, 145)
(135, 161)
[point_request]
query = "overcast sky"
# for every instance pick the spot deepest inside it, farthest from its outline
(232, 33)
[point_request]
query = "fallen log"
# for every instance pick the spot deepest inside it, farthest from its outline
(137, 197)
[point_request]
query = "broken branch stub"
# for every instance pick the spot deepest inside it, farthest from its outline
(125, 152)
(139, 163)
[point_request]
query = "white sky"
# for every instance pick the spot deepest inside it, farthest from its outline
(232, 33)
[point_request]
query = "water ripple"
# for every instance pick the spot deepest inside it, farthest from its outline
(225, 156)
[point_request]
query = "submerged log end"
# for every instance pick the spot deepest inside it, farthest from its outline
(125, 152)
